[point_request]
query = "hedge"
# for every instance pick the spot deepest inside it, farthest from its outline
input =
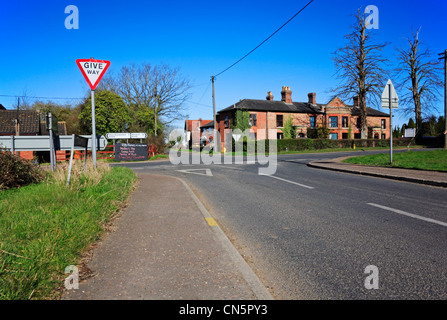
(317, 144)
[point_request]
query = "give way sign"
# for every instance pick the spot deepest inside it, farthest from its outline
(93, 70)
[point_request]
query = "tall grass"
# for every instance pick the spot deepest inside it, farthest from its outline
(47, 226)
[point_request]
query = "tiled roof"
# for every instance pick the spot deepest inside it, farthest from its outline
(208, 124)
(369, 112)
(274, 106)
(28, 120)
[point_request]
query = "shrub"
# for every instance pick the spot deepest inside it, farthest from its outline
(158, 142)
(16, 172)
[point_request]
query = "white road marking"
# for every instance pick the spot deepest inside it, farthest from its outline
(288, 181)
(193, 171)
(228, 167)
(444, 224)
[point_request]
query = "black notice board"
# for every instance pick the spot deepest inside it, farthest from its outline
(131, 151)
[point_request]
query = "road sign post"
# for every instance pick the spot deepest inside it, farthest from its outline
(390, 100)
(93, 130)
(93, 71)
(391, 125)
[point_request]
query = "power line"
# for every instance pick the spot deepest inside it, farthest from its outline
(265, 39)
(31, 97)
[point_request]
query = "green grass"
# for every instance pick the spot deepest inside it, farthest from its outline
(423, 160)
(159, 156)
(46, 227)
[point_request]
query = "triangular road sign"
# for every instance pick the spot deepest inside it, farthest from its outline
(194, 171)
(386, 96)
(93, 70)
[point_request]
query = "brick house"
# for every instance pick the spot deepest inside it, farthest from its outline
(267, 117)
(194, 130)
(29, 124)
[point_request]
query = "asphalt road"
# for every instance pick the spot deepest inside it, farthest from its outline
(310, 233)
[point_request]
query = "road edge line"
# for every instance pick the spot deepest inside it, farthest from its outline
(258, 288)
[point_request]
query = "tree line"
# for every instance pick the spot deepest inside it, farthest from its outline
(363, 71)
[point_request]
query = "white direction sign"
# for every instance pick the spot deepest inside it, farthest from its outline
(138, 135)
(93, 70)
(118, 135)
(388, 92)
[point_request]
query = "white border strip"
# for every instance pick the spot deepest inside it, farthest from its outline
(444, 224)
(285, 180)
(248, 274)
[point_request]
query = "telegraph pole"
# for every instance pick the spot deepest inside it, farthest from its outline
(216, 143)
(155, 111)
(444, 56)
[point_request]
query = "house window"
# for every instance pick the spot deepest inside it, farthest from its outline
(312, 121)
(344, 122)
(333, 122)
(279, 121)
(227, 122)
(383, 124)
(333, 136)
(252, 120)
(383, 136)
(280, 135)
(344, 135)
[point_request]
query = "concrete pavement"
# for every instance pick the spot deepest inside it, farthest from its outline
(167, 246)
(433, 178)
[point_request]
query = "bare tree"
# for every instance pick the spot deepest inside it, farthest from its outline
(360, 67)
(160, 88)
(419, 77)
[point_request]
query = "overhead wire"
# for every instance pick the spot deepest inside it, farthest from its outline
(215, 76)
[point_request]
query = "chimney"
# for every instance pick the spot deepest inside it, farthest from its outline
(269, 96)
(286, 95)
(356, 101)
(312, 98)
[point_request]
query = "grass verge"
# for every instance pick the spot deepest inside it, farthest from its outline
(46, 227)
(424, 160)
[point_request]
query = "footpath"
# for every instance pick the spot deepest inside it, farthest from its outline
(432, 178)
(166, 246)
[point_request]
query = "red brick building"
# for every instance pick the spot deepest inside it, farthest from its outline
(267, 117)
(195, 130)
(25, 123)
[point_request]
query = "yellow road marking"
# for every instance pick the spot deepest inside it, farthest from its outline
(211, 221)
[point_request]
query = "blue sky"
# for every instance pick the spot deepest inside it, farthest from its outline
(38, 53)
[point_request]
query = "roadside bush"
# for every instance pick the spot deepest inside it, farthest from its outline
(158, 142)
(16, 172)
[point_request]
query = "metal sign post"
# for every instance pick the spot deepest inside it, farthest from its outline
(52, 152)
(93, 130)
(391, 125)
(77, 141)
(390, 100)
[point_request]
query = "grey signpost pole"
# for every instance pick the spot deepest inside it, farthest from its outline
(388, 95)
(12, 145)
(50, 130)
(71, 159)
(93, 130)
(391, 124)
